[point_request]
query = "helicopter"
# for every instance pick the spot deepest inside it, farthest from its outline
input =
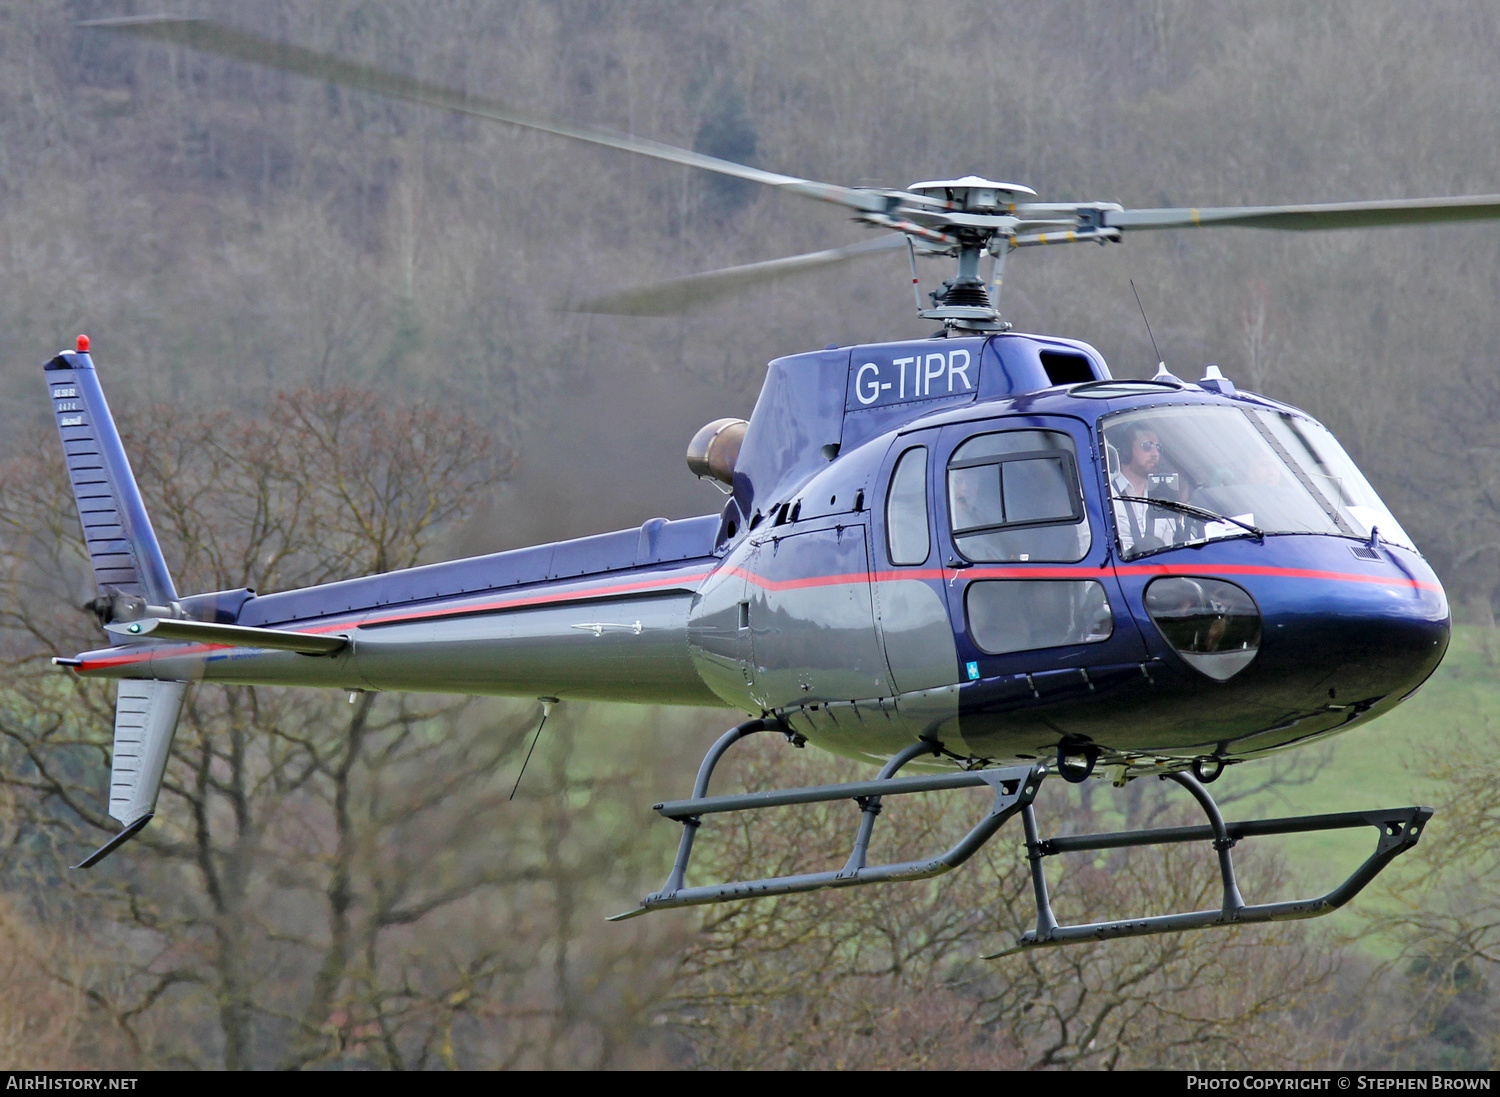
(975, 560)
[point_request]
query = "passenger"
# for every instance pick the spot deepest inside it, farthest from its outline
(1264, 469)
(1141, 527)
(974, 497)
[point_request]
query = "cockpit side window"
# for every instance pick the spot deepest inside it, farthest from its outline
(907, 533)
(1014, 496)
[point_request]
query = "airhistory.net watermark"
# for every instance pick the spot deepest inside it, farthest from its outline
(19, 1080)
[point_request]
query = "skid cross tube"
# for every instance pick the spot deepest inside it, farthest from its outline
(1399, 829)
(1015, 787)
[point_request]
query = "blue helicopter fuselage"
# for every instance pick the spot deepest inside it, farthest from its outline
(847, 587)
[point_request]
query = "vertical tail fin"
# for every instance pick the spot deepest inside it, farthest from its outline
(122, 545)
(131, 575)
(145, 717)
(145, 720)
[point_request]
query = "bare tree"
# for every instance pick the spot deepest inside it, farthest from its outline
(326, 882)
(891, 977)
(1445, 923)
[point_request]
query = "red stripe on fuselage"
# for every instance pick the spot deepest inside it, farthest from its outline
(941, 574)
(419, 615)
(1074, 572)
(1289, 573)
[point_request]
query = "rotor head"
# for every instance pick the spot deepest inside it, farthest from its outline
(971, 194)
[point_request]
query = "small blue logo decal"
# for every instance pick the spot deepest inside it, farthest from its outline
(973, 671)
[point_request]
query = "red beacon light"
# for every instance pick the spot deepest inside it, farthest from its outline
(83, 344)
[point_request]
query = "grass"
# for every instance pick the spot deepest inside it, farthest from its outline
(1385, 763)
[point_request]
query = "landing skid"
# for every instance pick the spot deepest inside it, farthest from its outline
(1015, 790)
(1399, 829)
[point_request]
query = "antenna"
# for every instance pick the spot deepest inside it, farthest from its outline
(547, 703)
(1161, 364)
(916, 285)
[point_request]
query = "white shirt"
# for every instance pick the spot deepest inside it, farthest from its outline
(1131, 521)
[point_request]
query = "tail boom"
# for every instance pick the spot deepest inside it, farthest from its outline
(600, 637)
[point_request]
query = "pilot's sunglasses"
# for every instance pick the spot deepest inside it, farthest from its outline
(1149, 445)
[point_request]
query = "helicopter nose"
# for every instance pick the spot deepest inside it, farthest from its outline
(1354, 640)
(1305, 636)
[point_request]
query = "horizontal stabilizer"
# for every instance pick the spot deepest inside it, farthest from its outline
(235, 636)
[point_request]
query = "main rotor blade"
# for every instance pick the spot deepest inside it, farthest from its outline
(679, 294)
(201, 34)
(1333, 215)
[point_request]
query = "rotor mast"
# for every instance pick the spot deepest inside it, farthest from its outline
(979, 215)
(984, 215)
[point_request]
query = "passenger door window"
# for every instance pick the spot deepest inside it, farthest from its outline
(908, 535)
(1007, 615)
(1026, 582)
(1014, 496)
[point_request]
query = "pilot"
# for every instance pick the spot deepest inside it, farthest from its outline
(1142, 528)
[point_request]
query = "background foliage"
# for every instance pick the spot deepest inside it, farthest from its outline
(336, 328)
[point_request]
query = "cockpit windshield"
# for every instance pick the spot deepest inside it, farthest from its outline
(1173, 470)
